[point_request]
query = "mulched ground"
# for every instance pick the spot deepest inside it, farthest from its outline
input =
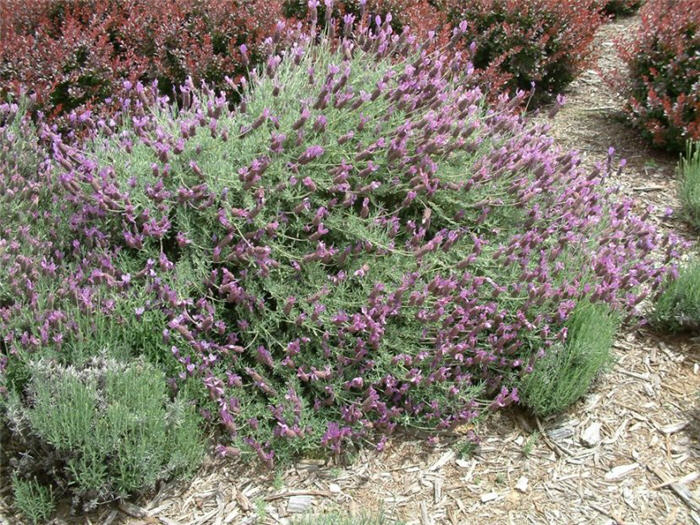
(627, 453)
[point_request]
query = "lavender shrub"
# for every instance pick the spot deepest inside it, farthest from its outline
(361, 244)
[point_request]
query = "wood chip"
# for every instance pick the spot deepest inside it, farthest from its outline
(206, 517)
(489, 496)
(292, 493)
(243, 501)
(299, 504)
(463, 463)
(591, 436)
(437, 490)
(620, 471)
(424, 517)
(444, 460)
(112, 516)
(643, 377)
(167, 521)
(686, 496)
(132, 510)
(160, 508)
(648, 188)
(521, 485)
(681, 481)
(561, 433)
(672, 429)
(231, 516)
(604, 512)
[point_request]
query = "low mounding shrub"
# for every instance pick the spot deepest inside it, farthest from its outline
(361, 244)
(101, 431)
(690, 184)
(566, 372)
(662, 90)
(77, 53)
(621, 7)
(524, 42)
(678, 307)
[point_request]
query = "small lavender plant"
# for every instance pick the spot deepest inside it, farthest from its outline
(689, 174)
(361, 244)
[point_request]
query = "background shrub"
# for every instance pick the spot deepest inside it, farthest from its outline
(621, 7)
(566, 372)
(689, 172)
(78, 53)
(101, 431)
(662, 90)
(518, 42)
(678, 307)
(525, 42)
(421, 15)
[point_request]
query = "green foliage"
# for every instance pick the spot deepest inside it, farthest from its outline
(621, 7)
(338, 518)
(32, 499)
(678, 308)
(109, 427)
(466, 448)
(564, 374)
(690, 183)
(530, 443)
(260, 509)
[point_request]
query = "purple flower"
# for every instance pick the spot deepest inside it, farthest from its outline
(311, 153)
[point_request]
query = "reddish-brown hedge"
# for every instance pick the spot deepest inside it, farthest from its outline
(421, 15)
(518, 42)
(525, 42)
(663, 86)
(77, 53)
(621, 7)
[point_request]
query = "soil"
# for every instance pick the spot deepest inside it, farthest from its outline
(643, 468)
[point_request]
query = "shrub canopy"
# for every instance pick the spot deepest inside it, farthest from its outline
(361, 244)
(663, 87)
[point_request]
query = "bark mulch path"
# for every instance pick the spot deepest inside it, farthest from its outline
(627, 453)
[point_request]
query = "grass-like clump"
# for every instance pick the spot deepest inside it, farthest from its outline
(678, 308)
(340, 518)
(33, 500)
(689, 170)
(564, 375)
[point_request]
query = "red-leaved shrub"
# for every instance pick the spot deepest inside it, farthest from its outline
(663, 86)
(518, 42)
(524, 42)
(421, 15)
(76, 53)
(621, 7)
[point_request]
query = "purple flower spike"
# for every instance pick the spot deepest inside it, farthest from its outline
(311, 153)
